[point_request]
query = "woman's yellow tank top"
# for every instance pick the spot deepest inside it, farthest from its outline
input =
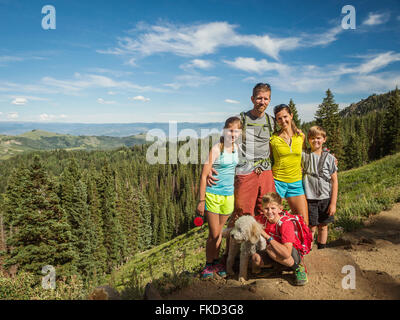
(287, 158)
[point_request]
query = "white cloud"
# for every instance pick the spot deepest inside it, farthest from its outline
(231, 101)
(12, 115)
(86, 81)
(196, 40)
(207, 38)
(257, 66)
(309, 78)
(307, 110)
(322, 39)
(197, 63)
(376, 19)
(5, 59)
(378, 62)
(115, 73)
(20, 101)
(140, 98)
(102, 101)
(51, 117)
(371, 63)
(270, 46)
(191, 80)
(370, 83)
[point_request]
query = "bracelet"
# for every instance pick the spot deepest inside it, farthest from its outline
(270, 239)
(202, 200)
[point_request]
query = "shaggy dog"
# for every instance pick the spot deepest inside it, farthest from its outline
(246, 236)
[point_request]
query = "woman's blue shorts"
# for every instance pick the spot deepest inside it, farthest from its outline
(287, 190)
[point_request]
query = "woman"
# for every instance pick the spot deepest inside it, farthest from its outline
(286, 146)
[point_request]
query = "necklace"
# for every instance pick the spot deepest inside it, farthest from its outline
(287, 138)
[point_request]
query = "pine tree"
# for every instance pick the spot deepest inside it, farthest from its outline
(144, 228)
(73, 196)
(293, 108)
(327, 117)
(163, 226)
(41, 235)
(100, 253)
(362, 142)
(391, 125)
(112, 230)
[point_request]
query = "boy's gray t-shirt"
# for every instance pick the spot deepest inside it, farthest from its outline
(311, 184)
(256, 144)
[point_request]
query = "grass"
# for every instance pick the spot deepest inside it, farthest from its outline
(363, 192)
(169, 266)
(366, 191)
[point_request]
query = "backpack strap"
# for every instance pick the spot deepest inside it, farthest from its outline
(307, 165)
(244, 128)
(321, 162)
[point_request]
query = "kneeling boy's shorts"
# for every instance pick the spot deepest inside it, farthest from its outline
(318, 212)
(218, 204)
(287, 190)
(267, 259)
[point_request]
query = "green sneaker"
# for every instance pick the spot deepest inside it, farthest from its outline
(300, 276)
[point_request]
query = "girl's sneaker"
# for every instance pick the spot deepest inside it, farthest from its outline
(219, 268)
(208, 272)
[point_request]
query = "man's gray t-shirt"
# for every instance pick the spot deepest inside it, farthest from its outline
(255, 146)
(312, 184)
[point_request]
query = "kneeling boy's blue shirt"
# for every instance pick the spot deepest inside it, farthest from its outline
(311, 184)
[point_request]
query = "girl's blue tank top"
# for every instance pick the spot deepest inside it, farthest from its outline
(225, 165)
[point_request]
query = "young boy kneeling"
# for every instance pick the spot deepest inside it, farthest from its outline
(282, 247)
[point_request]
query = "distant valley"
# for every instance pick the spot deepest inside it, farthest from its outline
(43, 140)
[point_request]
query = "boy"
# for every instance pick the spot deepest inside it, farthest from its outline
(320, 184)
(282, 242)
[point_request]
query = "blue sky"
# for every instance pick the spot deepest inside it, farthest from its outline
(196, 61)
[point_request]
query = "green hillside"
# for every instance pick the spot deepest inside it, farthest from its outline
(372, 103)
(362, 192)
(43, 140)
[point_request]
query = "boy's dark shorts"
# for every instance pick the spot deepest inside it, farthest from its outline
(318, 212)
(267, 259)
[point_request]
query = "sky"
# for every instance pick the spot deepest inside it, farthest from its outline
(193, 61)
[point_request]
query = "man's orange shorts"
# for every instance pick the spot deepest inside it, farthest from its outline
(249, 190)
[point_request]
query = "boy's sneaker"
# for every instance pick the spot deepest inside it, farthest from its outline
(219, 268)
(300, 276)
(208, 272)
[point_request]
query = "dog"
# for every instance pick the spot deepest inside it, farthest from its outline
(246, 237)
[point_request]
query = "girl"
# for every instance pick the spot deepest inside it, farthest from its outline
(286, 146)
(217, 201)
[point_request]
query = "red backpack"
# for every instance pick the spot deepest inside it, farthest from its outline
(301, 230)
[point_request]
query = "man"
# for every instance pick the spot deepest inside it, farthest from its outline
(253, 174)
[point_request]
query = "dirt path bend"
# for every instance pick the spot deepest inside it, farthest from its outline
(373, 253)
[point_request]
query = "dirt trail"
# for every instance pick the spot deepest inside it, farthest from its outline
(374, 251)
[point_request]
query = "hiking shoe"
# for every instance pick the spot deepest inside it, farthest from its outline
(219, 268)
(208, 272)
(300, 276)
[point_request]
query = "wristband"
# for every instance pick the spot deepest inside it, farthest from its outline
(270, 239)
(202, 200)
